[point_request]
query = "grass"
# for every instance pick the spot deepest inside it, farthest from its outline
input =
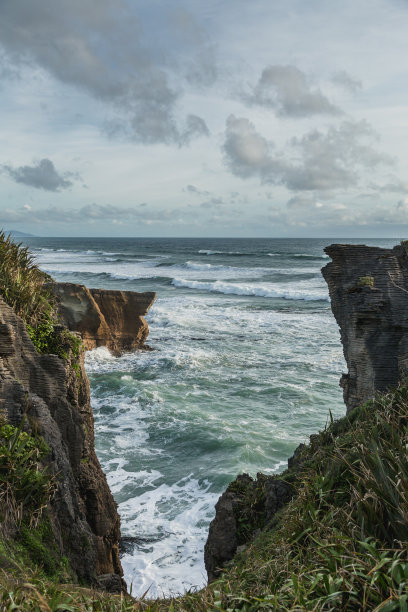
(28, 290)
(340, 544)
(22, 283)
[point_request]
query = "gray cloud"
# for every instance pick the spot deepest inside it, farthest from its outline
(90, 213)
(324, 160)
(287, 90)
(99, 47)
(196, 191)
(346, 81)
(42, 175)
(395, 186)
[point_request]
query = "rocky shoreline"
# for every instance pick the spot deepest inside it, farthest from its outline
(369, 291)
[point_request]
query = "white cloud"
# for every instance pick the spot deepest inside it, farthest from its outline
(316, 161)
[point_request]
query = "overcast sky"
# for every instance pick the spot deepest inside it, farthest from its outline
(204, 118)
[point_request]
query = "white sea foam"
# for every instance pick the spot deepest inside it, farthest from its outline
(168, 521)
(251, 290)
(299, 255)
(208, 252)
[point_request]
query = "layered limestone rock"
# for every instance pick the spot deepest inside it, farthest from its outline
(114, 319)
(368, 288)
(54, 397)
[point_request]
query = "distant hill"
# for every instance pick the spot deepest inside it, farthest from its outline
(18, 234)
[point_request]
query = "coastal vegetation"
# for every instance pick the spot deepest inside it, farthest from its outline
(339, 544)
(28, 290)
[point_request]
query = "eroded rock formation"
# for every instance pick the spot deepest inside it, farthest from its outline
(55, 399)
(369, 297)
(247, 505)
(114, 319)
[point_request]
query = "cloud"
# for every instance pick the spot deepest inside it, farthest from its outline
(396, 186)
(90, 213)
(287, 91)
(196, 191)
(246, 152)
(343, 79)
(317, 161)
(42, 175)
(100, 47)
(303, 203)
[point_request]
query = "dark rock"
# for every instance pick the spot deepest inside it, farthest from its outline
(111, 583)
(368, 288)
(246, 503)
(294, 459)
(277, 494)
(55, 400)
(222, 538)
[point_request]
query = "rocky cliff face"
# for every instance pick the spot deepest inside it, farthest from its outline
(114, 319)
(369, 296)
(242, 510)
(53, 394)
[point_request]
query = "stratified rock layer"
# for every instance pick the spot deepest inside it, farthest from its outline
(55, 399)
(103, 317)
(368, 288)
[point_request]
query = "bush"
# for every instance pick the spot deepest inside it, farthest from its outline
(28, 291)
(366, 281)
(22, 283)
(25, 485)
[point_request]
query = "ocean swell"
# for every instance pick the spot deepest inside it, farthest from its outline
(250, 290)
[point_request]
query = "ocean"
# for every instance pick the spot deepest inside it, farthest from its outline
(245, 366)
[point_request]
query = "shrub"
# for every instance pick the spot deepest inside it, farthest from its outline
(28, 291)
(25, 485)
(366, 281)
(22, 283)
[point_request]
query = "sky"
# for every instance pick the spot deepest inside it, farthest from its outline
(204, 118)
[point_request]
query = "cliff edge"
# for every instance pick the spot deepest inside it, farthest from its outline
(48, 394)
(368, 288)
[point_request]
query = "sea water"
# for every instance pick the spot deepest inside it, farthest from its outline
(246, 364)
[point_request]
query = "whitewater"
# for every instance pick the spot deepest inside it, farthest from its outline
(246, 364)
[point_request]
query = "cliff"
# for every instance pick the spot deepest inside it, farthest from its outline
(114, 319)
(51, 395)
(368, 288)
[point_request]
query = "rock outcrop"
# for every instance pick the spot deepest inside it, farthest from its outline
(368, 288)
(54, 397)
(114, 319)
(242, 510)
